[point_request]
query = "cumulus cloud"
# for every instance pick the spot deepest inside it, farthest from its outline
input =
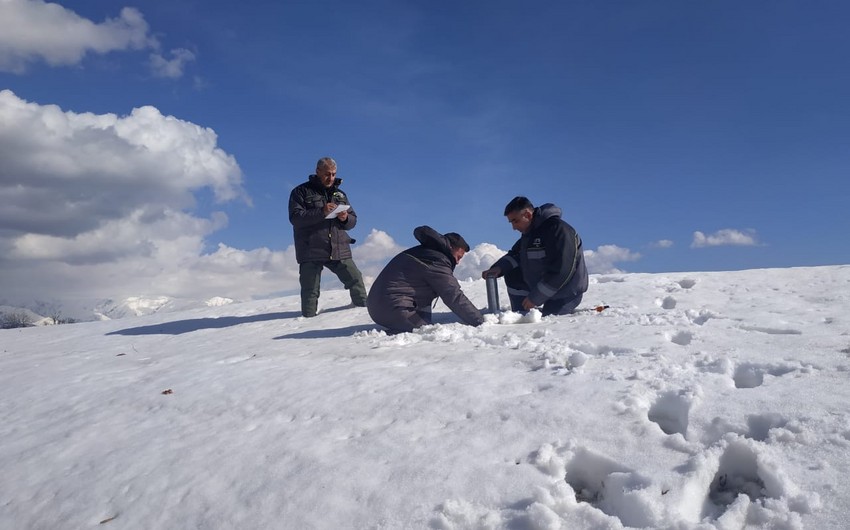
(102, 205)
(725, 237)
(603, 259)
(372, 254)
(662, 243)
(32, 30)
(171, 68)
(476, 260)
(65, 173)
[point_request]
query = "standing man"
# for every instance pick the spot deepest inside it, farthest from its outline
(321, 217)
(401, 297)
(546, 266)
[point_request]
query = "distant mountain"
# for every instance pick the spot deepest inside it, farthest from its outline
(42, 312)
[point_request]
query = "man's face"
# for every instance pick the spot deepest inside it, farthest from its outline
(521, 220)
(326, 175)
(458, 254)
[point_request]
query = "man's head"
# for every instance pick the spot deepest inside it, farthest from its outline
(458, 245)
(326, 171)
(520, 212)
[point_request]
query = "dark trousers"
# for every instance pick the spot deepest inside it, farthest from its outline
(518, 291)
(400, 320)
(310, 277)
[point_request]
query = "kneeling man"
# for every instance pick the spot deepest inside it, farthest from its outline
(401, 297)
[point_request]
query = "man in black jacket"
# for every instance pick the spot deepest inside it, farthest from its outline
(546, 266)
(401, 297)
(321, 217)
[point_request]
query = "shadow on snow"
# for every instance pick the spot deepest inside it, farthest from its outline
(329, 333)
(178, 327)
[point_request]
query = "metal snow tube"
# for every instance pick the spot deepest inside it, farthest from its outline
(492, 294)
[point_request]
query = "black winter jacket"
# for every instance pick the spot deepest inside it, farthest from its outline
(317, 238)
(402, 294)
(550, 256)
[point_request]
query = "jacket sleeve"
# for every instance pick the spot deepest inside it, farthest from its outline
(509, 261)
(561, 262)
(448, 289)
(351, 221)
(301, 213)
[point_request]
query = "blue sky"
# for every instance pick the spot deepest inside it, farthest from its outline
(720, 129)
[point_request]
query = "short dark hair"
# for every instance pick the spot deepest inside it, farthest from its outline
(457, 241)
(518, 204)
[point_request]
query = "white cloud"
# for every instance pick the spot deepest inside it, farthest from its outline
(725, 237)
(171, 68)
(379, 246)
(372, 254)
(101, 205)
(477, 260)
(32, 30)
(661, 243)
(65, 173)
(602, 260)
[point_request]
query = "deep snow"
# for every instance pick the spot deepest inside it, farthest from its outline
(696, 401)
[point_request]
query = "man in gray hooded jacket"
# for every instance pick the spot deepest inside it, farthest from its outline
(546, 266)
(401, 296)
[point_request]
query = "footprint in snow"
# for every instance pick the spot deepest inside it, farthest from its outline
(671, 411)
(668, 302)
(682, 338)
(751, 375)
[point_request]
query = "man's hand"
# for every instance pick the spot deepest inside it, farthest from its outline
(329, 207)
(342, 216)
(492, 272)
(527, 304)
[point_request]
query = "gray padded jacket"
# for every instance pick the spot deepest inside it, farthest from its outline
(401, 296)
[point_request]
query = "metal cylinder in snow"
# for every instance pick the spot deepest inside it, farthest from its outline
(492, 294)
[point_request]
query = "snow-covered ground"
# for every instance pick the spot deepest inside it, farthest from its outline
(696, 401)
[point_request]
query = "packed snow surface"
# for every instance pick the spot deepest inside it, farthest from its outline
(695, 401)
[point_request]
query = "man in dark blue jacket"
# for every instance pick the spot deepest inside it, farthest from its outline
(401, 297)
(321, 217)
(546, 266)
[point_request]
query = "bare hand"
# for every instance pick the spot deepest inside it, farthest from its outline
(342, 216)
(329, 207)
(527, 304)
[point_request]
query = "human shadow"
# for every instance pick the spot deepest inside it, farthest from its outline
(178, 327)
(328, 333)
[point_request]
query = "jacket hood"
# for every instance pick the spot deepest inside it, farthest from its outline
(431, 239)
(545, 212)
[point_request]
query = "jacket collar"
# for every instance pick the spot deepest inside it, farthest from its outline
(314, 182)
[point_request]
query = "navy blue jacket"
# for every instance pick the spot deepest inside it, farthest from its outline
(550, 257)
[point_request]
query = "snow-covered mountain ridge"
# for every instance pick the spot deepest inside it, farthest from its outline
(65, 311)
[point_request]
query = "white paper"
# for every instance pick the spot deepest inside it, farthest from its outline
(339, 208)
